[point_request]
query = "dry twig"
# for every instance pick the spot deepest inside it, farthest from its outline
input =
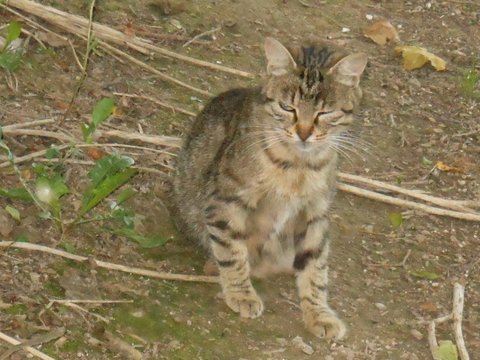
(456, 315)
(24, 346)
(111, 266)
(459, 205)
(407, 203)
(158, 102)
(79, 25)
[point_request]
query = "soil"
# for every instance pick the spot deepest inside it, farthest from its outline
(384, 279)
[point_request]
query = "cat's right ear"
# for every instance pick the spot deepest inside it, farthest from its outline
(279, 59)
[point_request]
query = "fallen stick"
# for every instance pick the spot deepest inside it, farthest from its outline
(407, 203)
(77, 301)
(77, 24)
(28, 124)
(30, 349)
(169, 141)
(41, 133)
(460, 205)
(110, 266)
(152, 69)
(158, 102)
(456, 315)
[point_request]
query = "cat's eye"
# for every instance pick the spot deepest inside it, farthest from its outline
(347, 111)
(286, 107)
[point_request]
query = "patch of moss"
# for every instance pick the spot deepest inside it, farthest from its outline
(54, 289)
(16, 309)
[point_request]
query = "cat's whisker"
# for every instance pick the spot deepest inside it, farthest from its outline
(341, 152)
(263, 140)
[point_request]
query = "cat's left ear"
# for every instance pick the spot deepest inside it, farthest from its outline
(279, 59)
(348, 70)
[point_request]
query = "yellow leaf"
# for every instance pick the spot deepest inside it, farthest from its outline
(382, 32)
(415, 57)
(440, 165)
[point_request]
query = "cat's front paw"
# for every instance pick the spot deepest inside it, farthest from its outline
(324, 323)
(247, 303)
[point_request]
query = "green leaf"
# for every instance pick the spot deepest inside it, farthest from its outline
(426, 161)
(16, 194)
(446, 350)
(11, 60)
(58, 186)
(105, 188)
(102, 110)
(124, 215)
(125, 195)
(52, 153)
(14, 213)
(108, 166)
(396, 219)
(146, 242)
(21, 238)
(425, 275)
(14, 30)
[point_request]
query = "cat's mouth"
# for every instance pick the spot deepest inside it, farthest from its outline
(305, 146)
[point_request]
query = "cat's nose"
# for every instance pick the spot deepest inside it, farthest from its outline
(304, 132)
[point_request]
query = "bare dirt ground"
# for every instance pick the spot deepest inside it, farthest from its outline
(411, 118)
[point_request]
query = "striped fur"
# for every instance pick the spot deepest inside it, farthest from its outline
(256, 176)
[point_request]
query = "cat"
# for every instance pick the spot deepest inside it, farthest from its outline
(257, 173)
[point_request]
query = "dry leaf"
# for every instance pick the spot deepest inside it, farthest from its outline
(95, 154)
(415, 57)
(382, 32)
(51, 39)
(440, 165)
(429, 307)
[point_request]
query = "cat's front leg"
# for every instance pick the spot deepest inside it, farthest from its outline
(312, 247)
(227, 240)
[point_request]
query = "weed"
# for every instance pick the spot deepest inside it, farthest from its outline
(10, 55)
(48, 188)
(470, 83)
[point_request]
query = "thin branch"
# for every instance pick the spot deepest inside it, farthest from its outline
(168, 141)
(457, 313)
(84, 66)
(160, 103)
(111, 266)
(76, 301)
(205, 33)
(153, 70)
(406, 203)
(432, 340)
(42, 133)
(28, 124)
(77, 24)
(21, 159)
(30, 349)
(459, 205)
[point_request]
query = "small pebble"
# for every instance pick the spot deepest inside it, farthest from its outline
(416, 334)
(301, 345)
(380, 306)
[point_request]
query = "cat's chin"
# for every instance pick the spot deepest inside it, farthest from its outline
(307, 147)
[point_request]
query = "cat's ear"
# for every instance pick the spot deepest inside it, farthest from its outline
(279, 59)
(348, 70)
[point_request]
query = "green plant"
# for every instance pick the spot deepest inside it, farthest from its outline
(48, 188)
(470, 82)
(11, 58)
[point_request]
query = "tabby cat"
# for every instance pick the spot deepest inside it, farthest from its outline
(257, 173)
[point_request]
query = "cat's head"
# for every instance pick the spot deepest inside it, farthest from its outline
(311, 93)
